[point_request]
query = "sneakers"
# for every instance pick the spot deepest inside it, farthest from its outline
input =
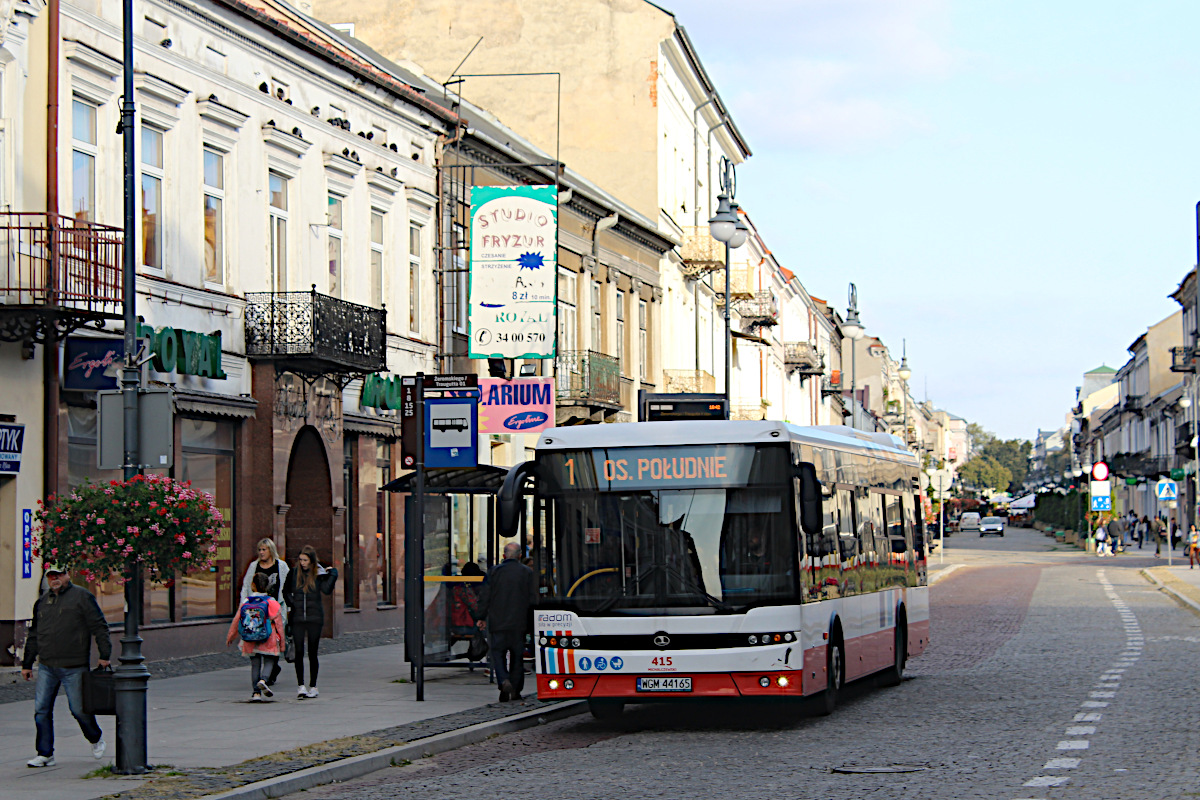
(256, 698)
(301, 691)
(98, 749)
(265, 689)
(41, 761)
(312, 692)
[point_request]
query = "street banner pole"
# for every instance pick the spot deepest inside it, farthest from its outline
(418, 571)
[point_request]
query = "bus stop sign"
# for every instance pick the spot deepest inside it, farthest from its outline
(451, 426)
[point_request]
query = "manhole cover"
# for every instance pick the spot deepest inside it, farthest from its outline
(854, 769)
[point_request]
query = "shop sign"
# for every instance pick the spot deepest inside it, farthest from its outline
(27, 543)
(185, 352)
(513, 272)
(91, 365)
(522, 405)
(381, 393)
(12, 439)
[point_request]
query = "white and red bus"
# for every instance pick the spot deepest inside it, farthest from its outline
(719, 559)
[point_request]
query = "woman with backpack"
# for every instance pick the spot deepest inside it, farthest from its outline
(302, 592)
(269, 564)
(259, 624)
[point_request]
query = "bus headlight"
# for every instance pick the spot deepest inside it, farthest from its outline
(542, 641)
(575, 641)
(783, 681)
(568, 684)
(764, 682)
(753, 639)
(553, 684)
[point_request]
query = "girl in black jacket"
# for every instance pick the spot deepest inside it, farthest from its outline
(302, 590)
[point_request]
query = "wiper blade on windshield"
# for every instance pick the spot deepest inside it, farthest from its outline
(690, 584)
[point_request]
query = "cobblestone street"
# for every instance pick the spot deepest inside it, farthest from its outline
(1051, 675)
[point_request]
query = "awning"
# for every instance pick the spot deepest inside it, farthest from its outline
(211, 403)
(1023, 503)
(483, 479)
(379, 427)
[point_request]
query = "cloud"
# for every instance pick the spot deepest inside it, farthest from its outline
(824, 74)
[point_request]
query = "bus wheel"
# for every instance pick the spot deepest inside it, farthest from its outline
(895, 673)
(606, 709)
(835, 668)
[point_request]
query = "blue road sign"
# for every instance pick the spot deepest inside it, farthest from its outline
(1101, 503)
(451, 425)
(1166, 490)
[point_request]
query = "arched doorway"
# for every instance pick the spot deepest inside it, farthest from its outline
(309, 519)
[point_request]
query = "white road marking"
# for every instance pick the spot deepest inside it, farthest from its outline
(1062, 763)
(1088, 717)
(1101, 695)
(1074, 744)
(1081, 730)
(1093, 704)
(1046, 780)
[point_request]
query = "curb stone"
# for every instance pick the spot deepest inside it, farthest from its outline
(358, 766)
(1166, 586)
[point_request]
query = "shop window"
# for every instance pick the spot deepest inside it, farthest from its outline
(207, 459)
(384, 584)
(353, 539)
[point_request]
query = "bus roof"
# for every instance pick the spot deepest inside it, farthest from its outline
(684, 432)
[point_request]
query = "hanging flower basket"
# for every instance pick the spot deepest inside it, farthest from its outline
(98, 530)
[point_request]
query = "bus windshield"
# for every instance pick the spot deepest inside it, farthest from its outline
(699, 527)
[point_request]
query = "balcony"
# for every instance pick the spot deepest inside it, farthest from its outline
(832, 386)
(803, 358)
(759, 310)
(741, 284)
(1183, 438)
(700, 252)
(1134, 404)
(688, 381)
(59, 273)
(588, 386)
(1135, 465)
(1183, 359)
(315, 335)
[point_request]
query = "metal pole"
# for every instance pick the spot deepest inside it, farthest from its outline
(131, 675)
(418, 548)
(728, 344)
(853, 384)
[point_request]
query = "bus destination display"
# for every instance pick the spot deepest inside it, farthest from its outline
(637, 468)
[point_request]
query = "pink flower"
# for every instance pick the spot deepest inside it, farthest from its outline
(100, 520)
(128, 549)
(120, 541)
(131, 529)
(187, 553)
(181, 538)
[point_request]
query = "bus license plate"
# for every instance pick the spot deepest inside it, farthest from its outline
(664, 684)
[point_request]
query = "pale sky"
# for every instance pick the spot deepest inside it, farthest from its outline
(1011, 185)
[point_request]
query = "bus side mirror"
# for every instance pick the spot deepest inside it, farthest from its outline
(811, 516)
(510, 500)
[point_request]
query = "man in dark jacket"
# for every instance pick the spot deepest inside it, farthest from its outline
(504, 604)
(65, 619)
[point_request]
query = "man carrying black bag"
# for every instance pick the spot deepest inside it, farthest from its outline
(65, 619)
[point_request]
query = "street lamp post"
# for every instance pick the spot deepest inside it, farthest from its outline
(905, 373)
(726, 226)
(1185, 402)
(1077, 471)
(853, 329)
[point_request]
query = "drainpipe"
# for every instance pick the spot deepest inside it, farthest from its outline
(50, 349)
(696, 164)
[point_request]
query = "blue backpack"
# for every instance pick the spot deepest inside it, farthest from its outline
(254, 619)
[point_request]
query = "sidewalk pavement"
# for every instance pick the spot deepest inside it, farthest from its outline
(204, 721)
(1179, 581)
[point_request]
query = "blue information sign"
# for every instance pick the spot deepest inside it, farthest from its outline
(27, 543)
(12, 440)
(1101, 502)
(451, 426)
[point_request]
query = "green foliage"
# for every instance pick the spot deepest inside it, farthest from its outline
(97, 530)
(998, 464)
(1061, 510)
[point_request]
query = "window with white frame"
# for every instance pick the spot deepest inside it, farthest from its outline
(334, 240)
(414, 278)
(377, 258)
(277, 221)
(83, 160)
(619, 350)
(567, 286)
(458, 281)
(597, 320)
(152, 201)
(644, 366)
(214, 216)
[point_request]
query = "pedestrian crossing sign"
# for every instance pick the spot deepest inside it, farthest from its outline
(1101, 502)
(1166, 490)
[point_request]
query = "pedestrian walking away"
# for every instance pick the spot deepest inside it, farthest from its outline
(1193, 547)
(504, 604)
(1101, 542)
(259, 624)
(302, 592)
(65, 620)
(267, 563)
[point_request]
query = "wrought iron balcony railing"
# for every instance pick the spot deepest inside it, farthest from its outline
(760, 309)
(1133, 465)
(57, 274)
(587, 377)
(1134, 404)
(700, 252)
(690, 381)
(803, 357)
(1183, 437)
(1183, 359)
(313, 334)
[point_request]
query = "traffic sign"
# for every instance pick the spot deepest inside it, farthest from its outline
(1101, 502)
(1166, 490)
(1100, 471)
(450, 432)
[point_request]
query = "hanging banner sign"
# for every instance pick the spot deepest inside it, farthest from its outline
(522, 405)
(12, 441)
(513, 272)
(27, 543)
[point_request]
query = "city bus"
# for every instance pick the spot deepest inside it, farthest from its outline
(693, 559)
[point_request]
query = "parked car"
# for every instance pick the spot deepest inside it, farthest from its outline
(991, 525)
(969, 521)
